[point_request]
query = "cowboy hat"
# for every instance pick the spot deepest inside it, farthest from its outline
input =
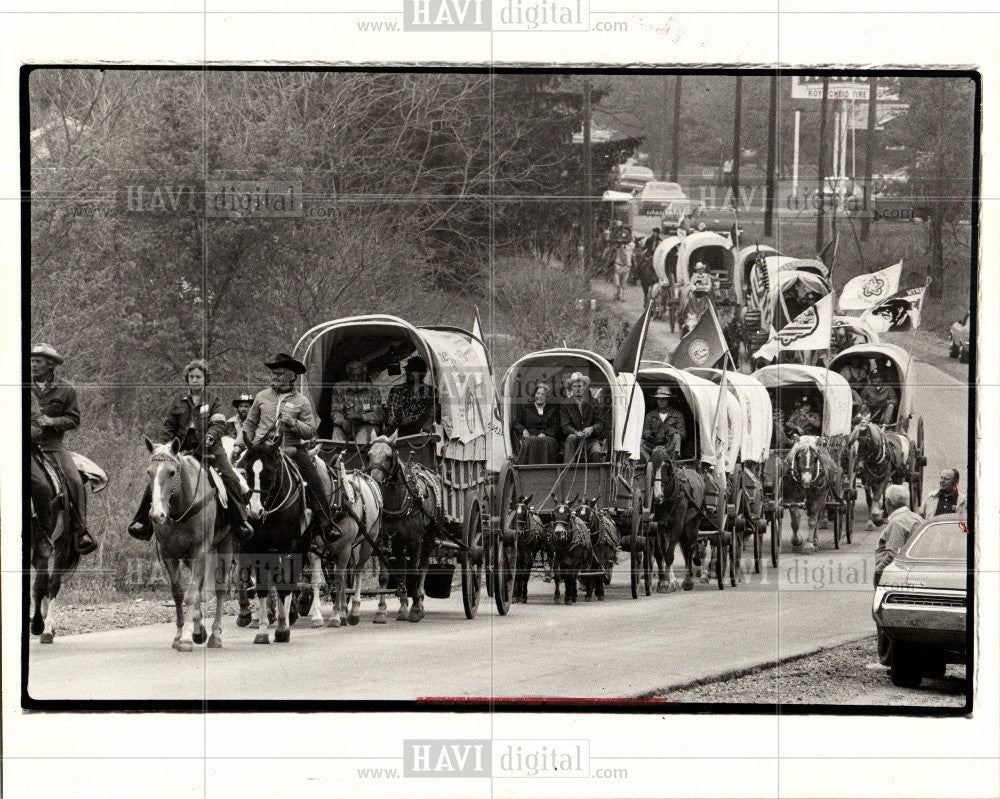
(243, 398)
(664, 391)
(577, 377)
(47, 351)
(285, 361)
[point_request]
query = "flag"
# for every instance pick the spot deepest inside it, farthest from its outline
(704, 345)
(810, 330)
(630, 351)
(866, 291)
(898, 313)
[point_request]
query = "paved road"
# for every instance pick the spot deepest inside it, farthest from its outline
(618, 648)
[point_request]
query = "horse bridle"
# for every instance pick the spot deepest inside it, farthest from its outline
(797, 473)
(197, 504)
(286, 472)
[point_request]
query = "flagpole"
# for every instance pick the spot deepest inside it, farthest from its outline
(638, 360)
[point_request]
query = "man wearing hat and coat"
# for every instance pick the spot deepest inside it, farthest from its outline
(582, 420)
(59, 411)
(281, 406)
(803, 420)
(356, 407)
(663, 427)
(234, 424)
(410, 405)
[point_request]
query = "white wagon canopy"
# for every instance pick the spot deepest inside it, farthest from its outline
(831, 393)
(895, 365)
(758, 419)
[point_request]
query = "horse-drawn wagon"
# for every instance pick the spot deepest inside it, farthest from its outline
(898, 372)
(603, 475)
(441, 475)
(812, 471)
(753, 511)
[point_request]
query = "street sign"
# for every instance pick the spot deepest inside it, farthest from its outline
(810, 87)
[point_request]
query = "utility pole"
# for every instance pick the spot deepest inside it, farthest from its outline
(736, 141)
(819, 165)
(675, 167)
(588, 208)
(772, 144)
(869, 148)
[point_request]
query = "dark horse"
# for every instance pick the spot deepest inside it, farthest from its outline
(677, 500)
(410, 515)
(569, 541)
(604, 542)
(275, 553)
(883, 457)
(530, 533)
(810, 476)
(53, 550)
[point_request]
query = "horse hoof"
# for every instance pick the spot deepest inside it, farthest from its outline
(688, 584)
(706, 580)
(37, 626)
(334, 621)
(46, 638)
(661, 588)
(556, 600)
(262, 638)
(200, 635)
(184, 646)
(353, 620)
(808, 547)
(314, 622)
(401, 615)
(244, 618)
(379, 618)
(215, 641)
(586, 599)
(254, 624)
(416, 615)
(600, 597)
(282, 636)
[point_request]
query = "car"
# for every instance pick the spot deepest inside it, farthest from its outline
(959, 334)
(921, 600)
(660, 198)
(632, 177)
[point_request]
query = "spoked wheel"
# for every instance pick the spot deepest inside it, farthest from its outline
(776, 535)
(720, 560)
(635, 554)
(472, 562)
(735, 553)
(849, 513)
(917, 484)
(647, 560)
(757, 543)
(503, 552)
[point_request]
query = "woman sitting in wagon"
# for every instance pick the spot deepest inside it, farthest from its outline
(536, 428)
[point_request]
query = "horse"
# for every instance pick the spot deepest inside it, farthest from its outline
(53, 550)
(279, 518)
(530, 533)
(189, 531)
(412, 497)
(677, 499)
(569, 539)
(883, 456)
(357, 507)
(810, 476)
(604, 542)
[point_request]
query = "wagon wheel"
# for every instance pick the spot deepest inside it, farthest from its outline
(838, 512)
(917, 481)
(647, 560)
(758, 534)
(735, 553)
(776, 514)
(850, 495)
(635, 555)
(472, 561)
(503, 551)
(722, 548)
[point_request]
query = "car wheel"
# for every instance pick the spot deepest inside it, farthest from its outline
(904, 667)
(884, 648)
(954, 350)
(934, 666)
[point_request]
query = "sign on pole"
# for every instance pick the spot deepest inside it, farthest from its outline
(807, 87)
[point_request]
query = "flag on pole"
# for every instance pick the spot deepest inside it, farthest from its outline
(866, 291)
(630, 351)
(898, 313)
(704, 345)
(810, 330)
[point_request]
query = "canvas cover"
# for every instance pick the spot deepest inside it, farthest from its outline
(702, 397)
(835, 390)
(758, 421)
(901, 360)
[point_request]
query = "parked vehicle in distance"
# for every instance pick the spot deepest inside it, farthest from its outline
(920, 602)
(632, 178)
(659, 198)
(959, 334)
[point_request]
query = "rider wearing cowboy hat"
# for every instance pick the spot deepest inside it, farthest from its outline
(59, 411)
(663, 427)
(234, 424)
(582, 420)
(282, 407)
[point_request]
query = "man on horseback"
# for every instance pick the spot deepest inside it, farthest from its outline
(803, 420)
(663, 427)
(59, 412)
(879, 399)
(196, 420)
(284, 408)
(234, 424)
(410, 405)
(356, 407)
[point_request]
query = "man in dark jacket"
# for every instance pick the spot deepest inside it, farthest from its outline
(410, 405)
(663, 427)
(59, 411)
(582, 420)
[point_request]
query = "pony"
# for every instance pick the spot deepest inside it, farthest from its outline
(412, 496)
(190, 532)
(883, 456)
(677, 499)
(569, 539)
(604, 541)
(810, 476)
(280, 518)
(357, 506)
(530, 534)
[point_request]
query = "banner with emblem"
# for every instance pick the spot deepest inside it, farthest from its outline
(897, 314)
(704, 345)
(866, 291)
(810, 330)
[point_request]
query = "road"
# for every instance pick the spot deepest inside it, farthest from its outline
(618, 648)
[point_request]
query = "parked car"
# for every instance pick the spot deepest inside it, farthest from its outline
(920, 602)
(659, 198)
(960, 340)
(632, 178)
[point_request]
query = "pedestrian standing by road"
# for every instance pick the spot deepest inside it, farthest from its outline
(900, 524)
(947, 499)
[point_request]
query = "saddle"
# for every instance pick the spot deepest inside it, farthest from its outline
(52, 473)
